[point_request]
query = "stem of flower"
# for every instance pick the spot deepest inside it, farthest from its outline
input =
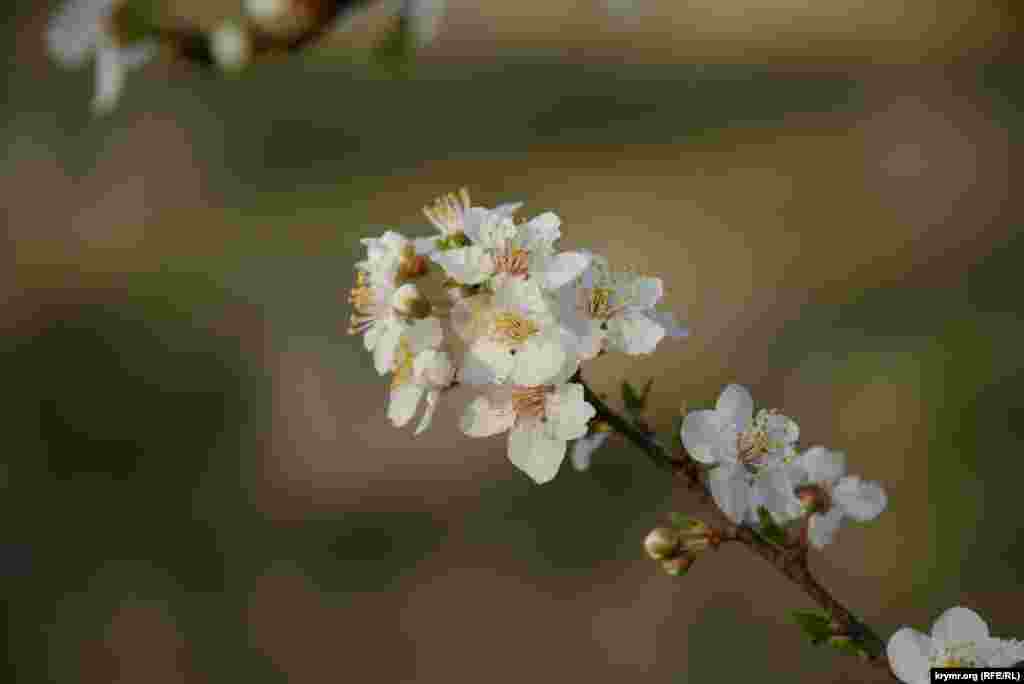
(791, 561)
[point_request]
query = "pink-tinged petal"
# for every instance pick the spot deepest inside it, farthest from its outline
(736, 406)
(484, 418)
(403, 402)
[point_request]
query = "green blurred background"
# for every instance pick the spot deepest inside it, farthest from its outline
(199, 483)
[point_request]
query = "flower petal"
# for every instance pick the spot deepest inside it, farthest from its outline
(467, 265)
(534, 452)
(636, 334)
(908, 652)
(646, 293)
(859, 499)
(484, 418)
(822, 465)
(562, 268)
(567, 413)
(667, 320)
(957, 625)
(583, 449)
(428, 412)
(402, 403)
(387, 345)
(729, 487)
(822, 527)
(702, 436)
(736, 406)
(536, 362)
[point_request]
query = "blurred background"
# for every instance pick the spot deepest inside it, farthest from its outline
(199, 483)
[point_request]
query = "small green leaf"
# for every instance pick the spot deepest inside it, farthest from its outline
(817, 626)
(633, 401)
(770, 529)
(847, 645)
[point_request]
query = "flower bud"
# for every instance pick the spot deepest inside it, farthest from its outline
(813, 498)
(677, 566)
(662, 543)
(232, 47)
(408, 301)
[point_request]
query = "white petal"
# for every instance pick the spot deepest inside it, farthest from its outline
(567, 413)
(471, 316)
(908, 652)
(731, 492)
(736, 406)
(110, 75)
(1004, 652)
(540, 231)
(433, 367)
(483, 418)
(646, 293)
(403, 402)
(508, 208)
(702, 436)
(534, 452)
(636, 334)
(668, 321)
(425, 333)
(475, 370)
(583, 449)
(467, 265)
(822, 527)
(537, 361)
(860, 500)
(562, 269)
(822, 465)
(371, 336)
(426, 245)
(76, 29)
(959, 624)
(495, 356)
(774, 490)
(428, 413)
(387, 345)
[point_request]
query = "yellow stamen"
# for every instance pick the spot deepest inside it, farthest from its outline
(514, 262)
(403, 365)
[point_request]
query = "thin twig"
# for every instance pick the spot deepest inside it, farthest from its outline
(790, 561)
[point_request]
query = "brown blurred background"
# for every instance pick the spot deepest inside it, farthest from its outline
(200, 484)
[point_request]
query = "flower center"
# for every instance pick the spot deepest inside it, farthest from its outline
(514, 262)
(599, 305)
(528, 402)
(752, 445)
(512, 328)
(403, 365)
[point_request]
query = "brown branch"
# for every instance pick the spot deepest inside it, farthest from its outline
(790, 560)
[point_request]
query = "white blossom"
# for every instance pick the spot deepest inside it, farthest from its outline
(391, 259)
(498, 248)
(420, 367)
(83, 30)
(613, 310)
(513, 336)
(540, 420)
(831, 495)
(750, 455)
(959, 638)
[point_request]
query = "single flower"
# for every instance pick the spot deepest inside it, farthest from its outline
(540, 420)
(420, 367)
(959, 638)
(615, 310)
(750, 455)
(109, 33)
(513, 337)
(829, 495)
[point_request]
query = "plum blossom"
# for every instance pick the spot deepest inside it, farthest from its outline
(93, 29)
(498, 248)
(540, 420)
(959, 638)
(830, 495)
(513, 336)
(420, 367)
(750, 454)
(613, 310)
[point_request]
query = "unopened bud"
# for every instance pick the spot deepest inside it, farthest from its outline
(408, 301)
(662, 543)
(677, 566)
(813, 499)
(232, 48)
(281, 17)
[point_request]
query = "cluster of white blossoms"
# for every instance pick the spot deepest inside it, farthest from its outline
(490, 302)
(756, 464)
(959, 638)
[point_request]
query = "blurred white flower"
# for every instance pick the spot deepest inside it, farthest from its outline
(231, 46)
(609, 310)
(959, 638)
(750, 455)
(830, 495)
(85, 29)
(420, 367)
(540, 420)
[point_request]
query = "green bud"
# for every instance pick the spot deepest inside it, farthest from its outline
(662, 543)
